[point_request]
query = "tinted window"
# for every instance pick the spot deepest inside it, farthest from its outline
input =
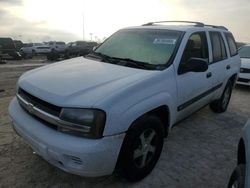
(153, 46)
(196, 47)
(244, 52)
(231, 44)
(218, 46)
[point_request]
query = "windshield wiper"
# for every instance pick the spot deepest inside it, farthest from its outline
(125, 61)
(138, 64)
(100, 56)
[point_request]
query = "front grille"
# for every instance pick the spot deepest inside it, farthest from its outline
(243, 80)
(43, 105)
(244, 70)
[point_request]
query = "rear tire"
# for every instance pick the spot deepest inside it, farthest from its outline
(237, 179)
(141, 148)
(221, 104)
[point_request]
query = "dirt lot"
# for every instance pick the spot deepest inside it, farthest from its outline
(199, 152)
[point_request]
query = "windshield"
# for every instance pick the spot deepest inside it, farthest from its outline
(244, 52)
(153, 46)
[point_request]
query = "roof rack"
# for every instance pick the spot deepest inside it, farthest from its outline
(217, 27)
(197, 24)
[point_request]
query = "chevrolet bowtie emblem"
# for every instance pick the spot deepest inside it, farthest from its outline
(30, 108)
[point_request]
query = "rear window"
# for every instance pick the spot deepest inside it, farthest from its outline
(231, 44)
(218, 46)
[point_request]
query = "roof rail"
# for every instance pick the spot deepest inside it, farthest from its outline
(217, 27)
(199, 24)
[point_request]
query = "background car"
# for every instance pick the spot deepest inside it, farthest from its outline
(31, 49)
(244, 76)
(57, 46)
(26, 50)
(40, 48)
(79, 48)
(9, 49)
(18, 44)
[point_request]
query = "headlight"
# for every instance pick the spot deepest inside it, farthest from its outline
(85, 122)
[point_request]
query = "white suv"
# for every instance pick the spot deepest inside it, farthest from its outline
(57, 46)
(111, 109)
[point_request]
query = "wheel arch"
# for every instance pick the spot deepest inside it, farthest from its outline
(241, 155)
(233, 78)
(162, 112)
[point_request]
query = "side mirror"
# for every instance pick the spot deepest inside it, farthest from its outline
(193, 65)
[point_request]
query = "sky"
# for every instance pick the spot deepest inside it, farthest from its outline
(70, 20)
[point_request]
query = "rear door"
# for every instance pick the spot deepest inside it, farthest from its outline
(218, 63)
(194, 88)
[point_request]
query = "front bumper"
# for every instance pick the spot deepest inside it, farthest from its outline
(244, 79)
(76, 155)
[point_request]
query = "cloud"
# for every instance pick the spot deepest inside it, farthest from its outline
(13, 2)
(18, 28)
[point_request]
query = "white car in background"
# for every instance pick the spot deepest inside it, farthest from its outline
(40, 48)
(57, 46)
(31, 49)
(244, 76)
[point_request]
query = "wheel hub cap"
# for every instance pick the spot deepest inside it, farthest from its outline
(145, 150)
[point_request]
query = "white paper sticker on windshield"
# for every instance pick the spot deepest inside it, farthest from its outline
(164, 41)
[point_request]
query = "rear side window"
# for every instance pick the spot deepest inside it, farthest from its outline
(218, 46)
(231, 44)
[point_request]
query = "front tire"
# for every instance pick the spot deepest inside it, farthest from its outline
(237, 179)
(221, 104)
(141, 148)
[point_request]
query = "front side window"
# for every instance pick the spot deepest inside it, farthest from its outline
(196, 47)
(218, 46)
(244, 52)
(151, 46)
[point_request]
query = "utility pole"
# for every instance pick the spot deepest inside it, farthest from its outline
(83, 32)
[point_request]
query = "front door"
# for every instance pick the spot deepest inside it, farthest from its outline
(194, 88)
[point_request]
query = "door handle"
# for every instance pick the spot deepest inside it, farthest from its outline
(228, 67)
(209, 75)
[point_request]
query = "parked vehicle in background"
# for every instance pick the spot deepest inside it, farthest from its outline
(40, 48)
(240, 177)
(58, 47)
(31, 49)
(26, 50)
(79, 48)
(9, 49)
(0, 53)
(111, 109)
(244, 76)
(18, 44)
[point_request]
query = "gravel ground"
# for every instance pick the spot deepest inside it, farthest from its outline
(199, 152)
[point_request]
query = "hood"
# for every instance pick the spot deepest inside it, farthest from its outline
(245, 63)
(79, 82)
